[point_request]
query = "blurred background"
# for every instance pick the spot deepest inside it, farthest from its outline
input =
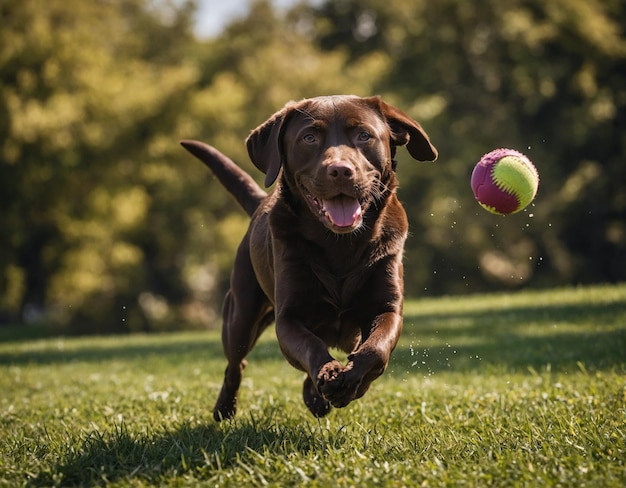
(107, 225)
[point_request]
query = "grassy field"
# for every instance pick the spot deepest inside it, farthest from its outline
(524, 389)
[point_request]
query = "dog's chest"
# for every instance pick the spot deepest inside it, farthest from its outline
(339, 288)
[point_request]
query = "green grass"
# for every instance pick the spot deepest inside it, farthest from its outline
(524, 389)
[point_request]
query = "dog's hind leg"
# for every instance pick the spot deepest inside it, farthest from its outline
(247, 313)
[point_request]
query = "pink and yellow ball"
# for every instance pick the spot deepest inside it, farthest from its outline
(504, 181)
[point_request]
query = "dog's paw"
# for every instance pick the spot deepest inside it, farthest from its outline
(329, 373)
(317, 405)
(225, 408)
(333, 386)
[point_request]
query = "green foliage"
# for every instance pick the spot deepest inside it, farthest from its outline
(106, 221)
(86, 150)
(541, 77)
(523, 389)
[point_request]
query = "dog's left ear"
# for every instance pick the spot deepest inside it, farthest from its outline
(265, 145)
(406, 131)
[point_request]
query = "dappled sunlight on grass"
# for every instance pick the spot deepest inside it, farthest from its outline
(527, 387)
(560, 328)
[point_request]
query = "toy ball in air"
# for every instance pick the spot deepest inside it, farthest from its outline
(504, 181)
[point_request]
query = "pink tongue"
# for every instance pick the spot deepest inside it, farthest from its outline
(343, 210)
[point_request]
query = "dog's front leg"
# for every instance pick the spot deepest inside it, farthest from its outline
(309, 353)
(379, 317)
(366, 363)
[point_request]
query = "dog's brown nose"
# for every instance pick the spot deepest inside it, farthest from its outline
(340, 171)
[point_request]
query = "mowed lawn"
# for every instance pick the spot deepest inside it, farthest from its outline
(518, 389)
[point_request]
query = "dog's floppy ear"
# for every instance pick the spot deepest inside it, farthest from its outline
(406, 131)
(265, 145)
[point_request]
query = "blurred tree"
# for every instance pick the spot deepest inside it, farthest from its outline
(106, 224)
(543, 77)
(87, 102)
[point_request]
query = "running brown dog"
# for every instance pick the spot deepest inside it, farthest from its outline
(323, 254)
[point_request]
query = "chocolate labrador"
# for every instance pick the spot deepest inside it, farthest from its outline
(323, 254)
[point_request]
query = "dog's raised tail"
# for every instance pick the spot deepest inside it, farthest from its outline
(239, 183)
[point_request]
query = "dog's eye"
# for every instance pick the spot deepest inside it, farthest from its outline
(309, 138)
(364, 136)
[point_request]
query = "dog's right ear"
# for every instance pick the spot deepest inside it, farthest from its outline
(405, 131)
(265, 145)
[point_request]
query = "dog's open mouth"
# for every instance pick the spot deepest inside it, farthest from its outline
(341, 213)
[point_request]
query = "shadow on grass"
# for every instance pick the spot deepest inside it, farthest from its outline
(562, 352)
(202, 451)
(119, 351)
(196, 347)
(562, 336)
(516, 338)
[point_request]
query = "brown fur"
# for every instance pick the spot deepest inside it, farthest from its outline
(323, 254)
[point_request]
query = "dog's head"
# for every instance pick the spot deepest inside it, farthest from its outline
(336, 153)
